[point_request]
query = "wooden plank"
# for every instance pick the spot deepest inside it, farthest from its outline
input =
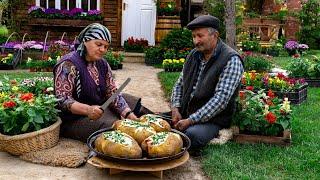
(103, 163)
(285, 140)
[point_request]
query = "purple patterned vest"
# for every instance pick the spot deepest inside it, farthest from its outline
(86, 90)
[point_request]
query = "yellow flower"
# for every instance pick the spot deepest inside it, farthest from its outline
(2, 94)
(14, 88)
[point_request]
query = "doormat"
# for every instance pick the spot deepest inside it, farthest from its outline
(67, 153)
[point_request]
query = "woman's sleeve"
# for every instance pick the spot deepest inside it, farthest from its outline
(119, 104)
(65, 84)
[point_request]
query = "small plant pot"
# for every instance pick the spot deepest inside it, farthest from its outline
(120, 66)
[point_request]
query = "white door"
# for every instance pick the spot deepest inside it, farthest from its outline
(138, 20)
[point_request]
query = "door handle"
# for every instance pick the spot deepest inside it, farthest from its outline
(124, 6)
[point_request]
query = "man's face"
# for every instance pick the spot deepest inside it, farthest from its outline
(96, 49)
(203, 40)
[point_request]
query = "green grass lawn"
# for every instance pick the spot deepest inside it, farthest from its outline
(261, 161)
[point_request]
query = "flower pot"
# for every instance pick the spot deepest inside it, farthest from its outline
(313, 82)
(113, 67)
(296, 97)
(283, 140)
(120, 66)
(33, 141)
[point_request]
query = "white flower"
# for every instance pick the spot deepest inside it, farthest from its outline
(49, 89)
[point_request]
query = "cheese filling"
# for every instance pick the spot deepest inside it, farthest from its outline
(118, 137)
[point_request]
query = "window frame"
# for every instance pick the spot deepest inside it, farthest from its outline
(78, 4)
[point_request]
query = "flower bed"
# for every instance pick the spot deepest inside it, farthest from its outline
(294, 89)
(262, 115)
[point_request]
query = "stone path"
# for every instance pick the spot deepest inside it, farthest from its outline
(144, 84)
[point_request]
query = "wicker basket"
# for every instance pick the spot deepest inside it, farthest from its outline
(33, 141)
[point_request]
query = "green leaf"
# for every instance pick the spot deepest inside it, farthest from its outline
(38, 119)
(25, 127)
(31, 113)
(284, 124)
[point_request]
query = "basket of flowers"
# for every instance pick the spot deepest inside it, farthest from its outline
(28, 118)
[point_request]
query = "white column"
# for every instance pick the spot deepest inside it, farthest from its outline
(47, 4)
(89, 3)
(37, 2)
(57, 4)
(98, 5)
(68, 5)
(78, 3)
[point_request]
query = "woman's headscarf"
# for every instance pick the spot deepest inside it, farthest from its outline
(92, 31)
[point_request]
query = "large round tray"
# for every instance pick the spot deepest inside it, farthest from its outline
(93, 137)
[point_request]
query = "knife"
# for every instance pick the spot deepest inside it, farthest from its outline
(105, 105)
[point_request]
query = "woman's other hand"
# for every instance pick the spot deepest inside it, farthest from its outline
(94, 112)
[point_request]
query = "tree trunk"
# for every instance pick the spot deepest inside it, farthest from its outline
(230, 23)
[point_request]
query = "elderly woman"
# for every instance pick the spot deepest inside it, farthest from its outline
(83, 82)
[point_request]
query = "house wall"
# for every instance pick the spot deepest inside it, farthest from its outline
(111, 10)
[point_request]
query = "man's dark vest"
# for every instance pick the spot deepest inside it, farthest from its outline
(88, 92)
(207, 83)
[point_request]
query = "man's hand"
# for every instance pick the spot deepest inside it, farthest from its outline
(183, 124)
(176, 116)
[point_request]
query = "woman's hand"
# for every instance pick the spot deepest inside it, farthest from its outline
(94, 112)
(176, 116)
(132, 116)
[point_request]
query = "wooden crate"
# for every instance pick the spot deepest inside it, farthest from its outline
(285, 140)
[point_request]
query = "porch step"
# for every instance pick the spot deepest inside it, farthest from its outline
(131, 57)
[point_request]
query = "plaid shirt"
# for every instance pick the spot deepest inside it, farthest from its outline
(228, 81)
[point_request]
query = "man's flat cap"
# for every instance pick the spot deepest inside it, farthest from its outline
(204, 21)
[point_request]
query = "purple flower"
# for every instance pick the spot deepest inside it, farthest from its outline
(34, 8)
(94, 12)
(28, 44)
(303, 47)
(65, 12)
(61, 43)
(76, 11)
(52, 11)
(36, 46)
(291, 45)
(18, 46)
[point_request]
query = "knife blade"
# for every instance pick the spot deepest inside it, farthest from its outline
(105, 105)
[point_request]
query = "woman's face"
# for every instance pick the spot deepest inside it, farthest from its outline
(96, 48)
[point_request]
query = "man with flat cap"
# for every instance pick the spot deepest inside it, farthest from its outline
(203, 98)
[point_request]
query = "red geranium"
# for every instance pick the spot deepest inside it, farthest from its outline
(270, 117)
(26, 97)
(9, 104)
(271, 94)
(250, 88)
(242, 95)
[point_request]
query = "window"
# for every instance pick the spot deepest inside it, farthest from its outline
(86, 5)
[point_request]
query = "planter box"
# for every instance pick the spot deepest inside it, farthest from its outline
(313, 82)
(284, 140)
(173, 69)
(13, 65)
(296, 97)
(61, 22)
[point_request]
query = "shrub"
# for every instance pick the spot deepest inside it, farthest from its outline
(257, 63)
(178, 39)
(113, 58)
(153, 56)
(309, 18)
(298, 67)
